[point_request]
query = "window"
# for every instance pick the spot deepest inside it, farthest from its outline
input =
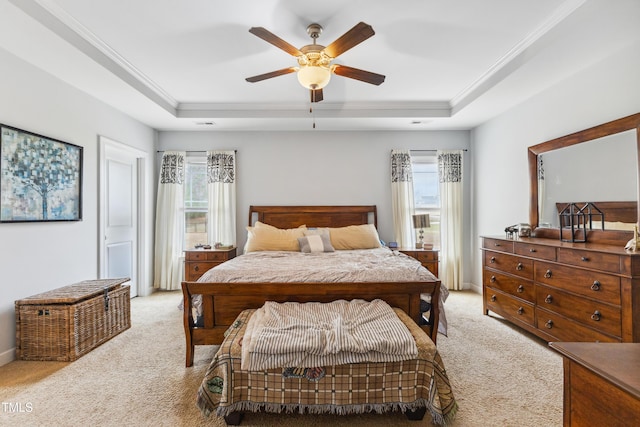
(426, 193)
(195, 202)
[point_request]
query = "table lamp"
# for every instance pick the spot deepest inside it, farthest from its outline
(420, 222)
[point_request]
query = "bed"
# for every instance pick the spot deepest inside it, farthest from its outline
(223, 301)
(414, 386)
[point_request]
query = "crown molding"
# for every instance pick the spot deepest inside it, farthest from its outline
(513, 59)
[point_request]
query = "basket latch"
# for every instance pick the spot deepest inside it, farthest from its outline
(106, 299)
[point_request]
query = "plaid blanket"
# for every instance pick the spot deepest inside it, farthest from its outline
(342, 389)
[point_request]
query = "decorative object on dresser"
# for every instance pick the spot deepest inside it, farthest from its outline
(65, 323)
(577, 220)
(601, 383)
(197, 261)
(420, 222)
(428, 258)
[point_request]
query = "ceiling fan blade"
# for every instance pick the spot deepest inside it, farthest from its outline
(316, 95)
(269, 37)
(271, 75)
(354, 73)
(351, 38)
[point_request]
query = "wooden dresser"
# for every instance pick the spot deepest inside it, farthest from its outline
(563, 291)
(197, 261)
(428, 258)
(601, 383)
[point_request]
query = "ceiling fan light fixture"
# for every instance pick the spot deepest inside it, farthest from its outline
(313, 76)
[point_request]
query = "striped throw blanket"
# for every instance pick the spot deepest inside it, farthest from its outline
(281, 335)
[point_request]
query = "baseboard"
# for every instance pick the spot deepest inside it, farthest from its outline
(7, 356)
(475, 288)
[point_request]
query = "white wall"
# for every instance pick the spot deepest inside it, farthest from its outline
(36, 257)
(316, 168)
(605, 91)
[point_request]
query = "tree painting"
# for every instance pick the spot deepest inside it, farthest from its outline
(40, 178)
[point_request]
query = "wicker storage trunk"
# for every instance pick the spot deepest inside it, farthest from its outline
(65, 323)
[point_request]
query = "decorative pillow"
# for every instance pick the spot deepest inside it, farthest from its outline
(315, 243)
(355, 237)
(265, 237)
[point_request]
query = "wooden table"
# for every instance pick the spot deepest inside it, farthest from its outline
(601, 383)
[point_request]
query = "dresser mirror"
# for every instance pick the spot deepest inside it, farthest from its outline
(598, 165)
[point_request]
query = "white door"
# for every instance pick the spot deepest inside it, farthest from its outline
(119, 254)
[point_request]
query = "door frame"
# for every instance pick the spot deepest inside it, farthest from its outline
(142, 190)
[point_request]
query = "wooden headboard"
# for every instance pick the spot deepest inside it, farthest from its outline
(313, 216)
(626, 212)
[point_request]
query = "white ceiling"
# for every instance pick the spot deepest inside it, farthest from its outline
(449, 64)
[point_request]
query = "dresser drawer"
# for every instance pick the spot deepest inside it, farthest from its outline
(511, 264)
(596, 285)
(589, 259)
(515, 286)
(497, 244)
(535, 251)
(564, 329)
(206, 255)
(508, 306)
(599, 316)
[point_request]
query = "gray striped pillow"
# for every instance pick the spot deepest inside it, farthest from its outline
(315, 243)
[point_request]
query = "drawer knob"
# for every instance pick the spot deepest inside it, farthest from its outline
(520, 289)
(548, 299)
(596, 286)
(584, 258)
(520, 310)
(532, 250)
(497, 244)
(547, 275)
(493, 298)
(519, 267)
(492, 260)
(493, 279)
(549, 324)
(196, 268)
(596, 316)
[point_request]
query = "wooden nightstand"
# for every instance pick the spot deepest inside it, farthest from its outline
(197, 261)
(428, 257)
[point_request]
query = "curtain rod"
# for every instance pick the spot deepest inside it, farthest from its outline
(191, 151)
(433, 151)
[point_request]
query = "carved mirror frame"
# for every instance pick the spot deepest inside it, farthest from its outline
(610, 128)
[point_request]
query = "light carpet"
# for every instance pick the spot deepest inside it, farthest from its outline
(501, 376)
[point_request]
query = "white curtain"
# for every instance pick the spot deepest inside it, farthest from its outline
(450, 176)
(402, 198)
(221, 179)
(170, 222)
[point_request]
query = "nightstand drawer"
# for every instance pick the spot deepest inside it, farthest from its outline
(425, 256)
(196, 269)
(209, 255)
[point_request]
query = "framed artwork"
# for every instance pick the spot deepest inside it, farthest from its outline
(40, 178)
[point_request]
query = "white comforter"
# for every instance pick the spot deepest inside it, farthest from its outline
(363, 265)
(307, 335)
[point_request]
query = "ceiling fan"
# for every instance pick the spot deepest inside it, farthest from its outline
(314, 60)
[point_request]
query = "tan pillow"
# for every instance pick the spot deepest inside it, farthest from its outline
(264, 237)
(355, 237)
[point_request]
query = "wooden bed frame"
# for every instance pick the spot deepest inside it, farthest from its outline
(222, 302)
